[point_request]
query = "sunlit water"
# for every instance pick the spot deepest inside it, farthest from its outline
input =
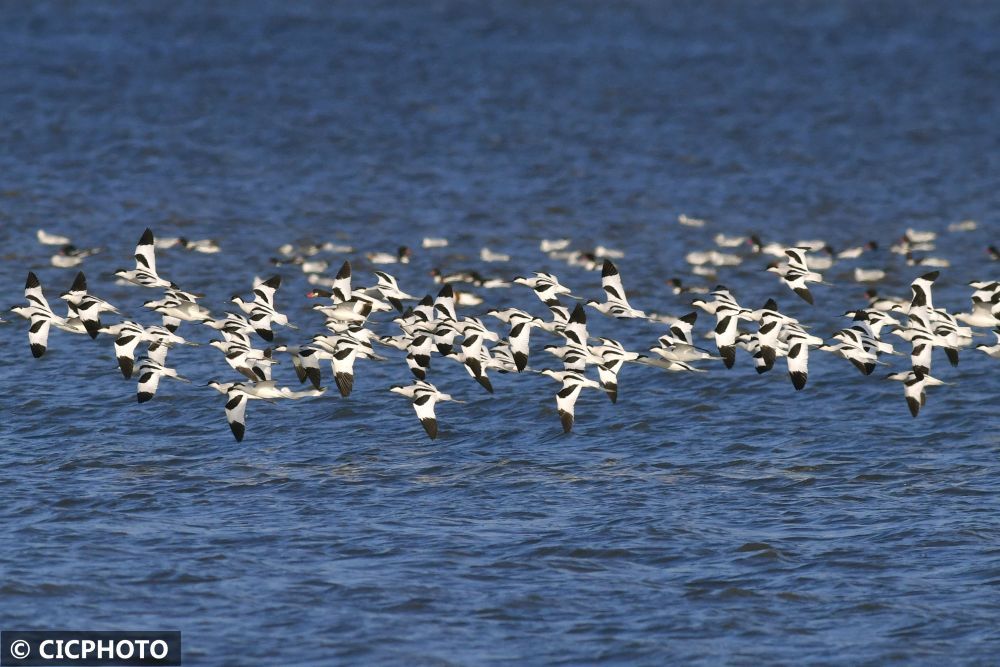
(719, 517)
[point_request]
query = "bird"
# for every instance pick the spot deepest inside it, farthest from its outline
(429, 242)
(795, 274)
(573, 382)
(857, 251)
(914, 384)
(46, 238)
(487, 255)
(238, 393)
(727, 315)
(992, 351)
(545, 285)
(868, 275)
(615, 305)
(39, 314)
(688, 221)
(424, 396)
(150, 372)
(402, 256)
(261, 310)
(144, 273)
(86, 306)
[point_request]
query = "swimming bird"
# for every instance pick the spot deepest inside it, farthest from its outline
(424, 396)
(46, 238)
(857, 251)
(402, 256)
(487, 255)
(688, 221)
(429, 242)
(144, 273)
(69, 256)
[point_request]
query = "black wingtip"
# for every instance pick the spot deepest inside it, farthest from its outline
(446, 292)
(579, 315)
(930, 277)
(80, 284)
(345, 383)
(805, 294)
(126, 365)
(728, 353)
(273, 282)
(444, 349)
(914, 405)
(690, 318)
(771, 305)
(608, 269)
(147, 237)
(93, 328)
(37, 350)
(32, 281)
(567, 421)
(520, 361)
(239, 430)
(314, 377)
(798, 380)
(345, 270)
(144, 396)
(611, 389)
(431, 426)
(485, 382)
(952, 355)
(266, 334)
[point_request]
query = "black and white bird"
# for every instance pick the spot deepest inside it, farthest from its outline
(573, 382)
(798, 342)
(519, 336)
(545, 285)
(39, 315)
(150, 371)
(238, 393)
(261, 310)
(178, 306)
(305, 362)
(914, 385)
(86, 306)
(992, 350)
(128, 336)
(615, 304)
(727, 316)
(796, 274)
(144, 274)
(424, 396)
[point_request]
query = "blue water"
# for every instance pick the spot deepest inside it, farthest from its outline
(711, 518)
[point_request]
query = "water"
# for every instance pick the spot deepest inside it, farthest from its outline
(704, 519)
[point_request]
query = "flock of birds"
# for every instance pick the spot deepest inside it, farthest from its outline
(430, 326)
